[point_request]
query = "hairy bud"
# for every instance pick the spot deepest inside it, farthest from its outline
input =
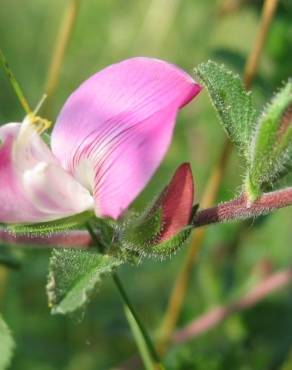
(164, 227)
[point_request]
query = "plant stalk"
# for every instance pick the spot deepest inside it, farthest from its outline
(144, 343)
(241, 209)
(15, 85)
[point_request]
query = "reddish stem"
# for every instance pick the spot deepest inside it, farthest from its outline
(64, 239)
(240, 208)
(217, 315)
(232, 210)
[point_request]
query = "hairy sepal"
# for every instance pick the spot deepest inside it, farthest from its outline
(165, 249)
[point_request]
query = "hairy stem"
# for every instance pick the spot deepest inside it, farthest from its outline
(211, 190)
(64, 239)
(240, 208)
(233, 210)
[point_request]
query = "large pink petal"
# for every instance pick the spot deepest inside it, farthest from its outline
(114, 130)
(34, 188)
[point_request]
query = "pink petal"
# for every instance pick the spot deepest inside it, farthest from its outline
(114, 130)
(34, 188)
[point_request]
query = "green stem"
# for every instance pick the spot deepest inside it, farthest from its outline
(144, 343)
(15, 85)
(146, 348)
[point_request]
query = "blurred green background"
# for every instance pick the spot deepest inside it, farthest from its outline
(185, 32)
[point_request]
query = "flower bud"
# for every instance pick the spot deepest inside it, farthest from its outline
(165, 226)
(176, 202)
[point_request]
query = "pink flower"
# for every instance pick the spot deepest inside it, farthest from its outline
(109, 139)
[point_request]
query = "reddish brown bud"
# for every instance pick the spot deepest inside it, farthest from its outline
(176, 202)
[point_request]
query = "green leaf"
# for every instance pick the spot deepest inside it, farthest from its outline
(231, 101)
(270, 153)
(74, 276)
(6, 345)
(46, 228)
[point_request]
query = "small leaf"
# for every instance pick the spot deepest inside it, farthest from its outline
(270, 153)
(6, 345)
(232, 103)
(74, 276)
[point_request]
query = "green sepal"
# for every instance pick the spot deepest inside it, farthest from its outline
(138, 243)
(144, 229)
(231, 101)
(47, 228)
(270, 153)
(74, 275)
(6, 345)
(169, 247)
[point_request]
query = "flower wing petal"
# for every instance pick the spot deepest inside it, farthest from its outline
(114, 130)
(33, 187)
